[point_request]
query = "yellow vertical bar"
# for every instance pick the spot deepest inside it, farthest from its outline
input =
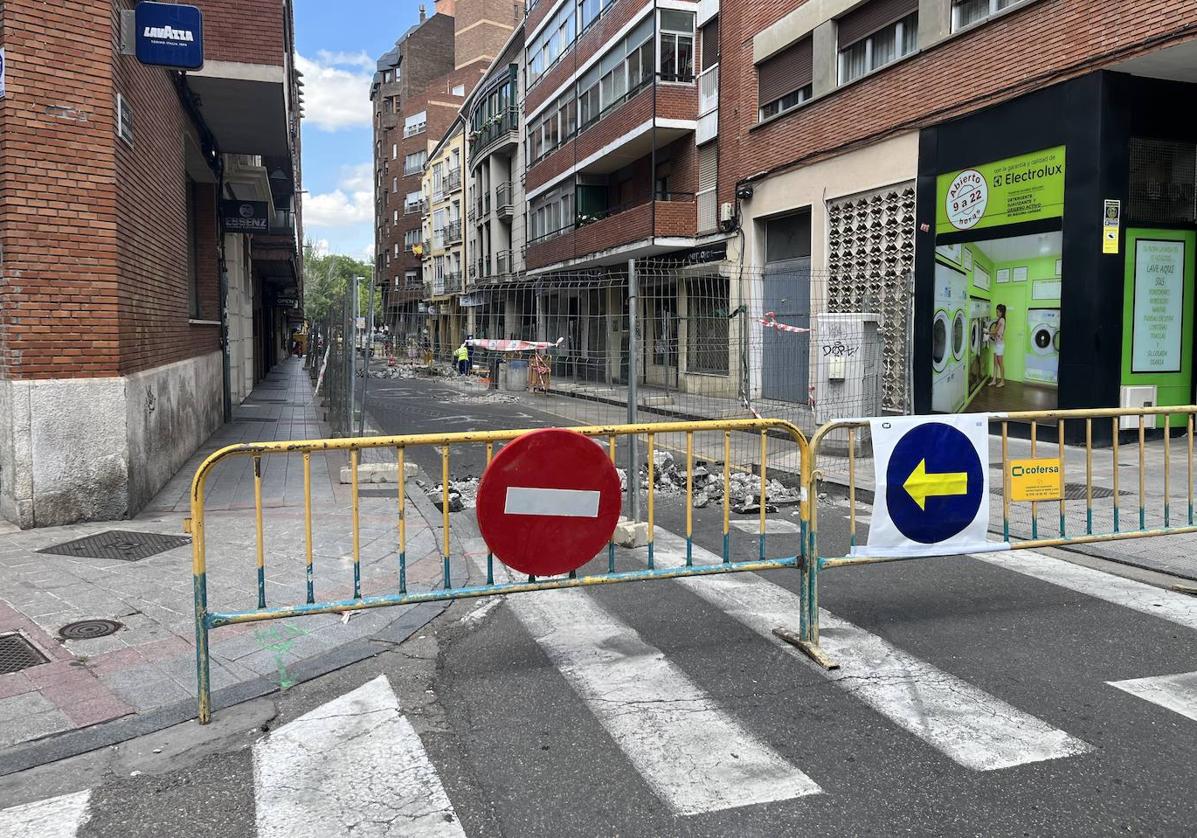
(1063, 477)
(1167, 469)
(1005, 481)
(357, 528)
(445, 499)
(652, 472)
(764, 444)
(689, 483)
(1189, 467)
(401, 457)
(258, 511)
(852, 487)
(1034, 505)
(726, 496)
(307, 519)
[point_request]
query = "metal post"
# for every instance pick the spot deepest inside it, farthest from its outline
(361, 422)
(633, 369)
(351, 346)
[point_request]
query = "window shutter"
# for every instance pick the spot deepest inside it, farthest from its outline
(710, 44)
(708, 166)
(789, 70)
(864, 20)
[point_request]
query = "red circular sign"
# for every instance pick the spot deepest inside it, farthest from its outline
(548, 502)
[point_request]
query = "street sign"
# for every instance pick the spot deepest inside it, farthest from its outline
(1038, 479)
(932, 486)
(548, 502)
(169, 35)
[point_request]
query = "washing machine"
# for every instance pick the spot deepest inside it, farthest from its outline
(1043, 346)
(949, 340)
(978, 328)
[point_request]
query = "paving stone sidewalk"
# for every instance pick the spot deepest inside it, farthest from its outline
(147, 667)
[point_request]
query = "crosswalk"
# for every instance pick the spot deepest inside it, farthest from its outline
(356, 765)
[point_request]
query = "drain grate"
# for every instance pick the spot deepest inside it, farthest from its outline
(1076, 491)
(122, 545)
(89, 629)
(17, 653)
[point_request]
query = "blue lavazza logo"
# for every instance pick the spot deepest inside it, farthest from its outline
(169, 35)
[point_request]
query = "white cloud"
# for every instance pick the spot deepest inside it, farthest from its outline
(351, 203)
(320, 247)
(336, 89)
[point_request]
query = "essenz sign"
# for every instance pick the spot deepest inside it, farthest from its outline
(245, 216)
(170, 35)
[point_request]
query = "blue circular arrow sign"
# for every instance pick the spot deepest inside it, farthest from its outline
(934, 483)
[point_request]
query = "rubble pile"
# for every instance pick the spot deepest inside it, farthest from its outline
(463, 494)
(745, 488)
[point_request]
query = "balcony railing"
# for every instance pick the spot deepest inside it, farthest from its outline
(452, 180)
(503, 262)
(503, 200)
(452, 232)
(503, 123)
(598, 215)
(452, 282)
(482, 205)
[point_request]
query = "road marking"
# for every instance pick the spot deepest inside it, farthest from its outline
(352, 765)
(563, 503)
(968, 725)
(694, 756)
(56, 817)
(1177, 693)
(1138, 596)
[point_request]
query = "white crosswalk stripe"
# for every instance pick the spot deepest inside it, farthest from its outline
(1138, 596)
(1177, 693)
(57, 817)
(967, 724)
(693, 755)
(352, 766)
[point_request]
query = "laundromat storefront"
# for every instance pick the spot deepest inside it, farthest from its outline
(1054, 262)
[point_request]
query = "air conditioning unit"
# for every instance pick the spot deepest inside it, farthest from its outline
(1142, 395)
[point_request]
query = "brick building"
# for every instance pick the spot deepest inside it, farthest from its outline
(418, 89)
(954, 156)
(112, 247)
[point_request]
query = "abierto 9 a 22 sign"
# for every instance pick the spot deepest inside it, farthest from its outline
(169, 35)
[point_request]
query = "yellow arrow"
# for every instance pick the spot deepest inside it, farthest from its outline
(920, 485)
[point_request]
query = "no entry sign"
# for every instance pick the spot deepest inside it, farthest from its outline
(548, 502)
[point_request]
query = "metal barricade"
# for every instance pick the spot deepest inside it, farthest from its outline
(1099, 520)
(206, 619)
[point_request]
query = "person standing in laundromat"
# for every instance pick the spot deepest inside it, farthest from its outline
(997, 333)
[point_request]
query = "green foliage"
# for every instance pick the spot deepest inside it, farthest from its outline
(326, 280)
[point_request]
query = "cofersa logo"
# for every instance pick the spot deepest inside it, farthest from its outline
(1021, 471)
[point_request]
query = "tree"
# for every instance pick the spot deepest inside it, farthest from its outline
(326, 284)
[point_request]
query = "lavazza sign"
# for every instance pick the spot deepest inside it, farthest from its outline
(169, 35)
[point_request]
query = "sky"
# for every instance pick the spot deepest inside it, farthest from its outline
(338, 42)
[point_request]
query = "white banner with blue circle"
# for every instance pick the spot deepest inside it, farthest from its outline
(932, 487)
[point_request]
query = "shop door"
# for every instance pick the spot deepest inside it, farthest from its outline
(785, 361)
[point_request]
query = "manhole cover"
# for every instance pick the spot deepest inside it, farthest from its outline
(17, 653)
(89, 629)
(122, 545)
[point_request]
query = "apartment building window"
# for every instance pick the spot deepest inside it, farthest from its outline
(410, 204)
(707, 326)
(784, 80)
(552, 213)
(620, 73)
(395, 219)
(710, 44)
(677, 46)
(874, 35)
(551, 43)
(396, 250)
(967, 12)
(591, 10)
(395, 184)
(415, 124)
(458, 90)
(413, 163)
(410, 239)
(411, 278)
(553, 127)
(394, 151)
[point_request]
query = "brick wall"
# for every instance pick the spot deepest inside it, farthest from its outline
(1030, 48)
(246, 31)
(58, 250)
(151, 225)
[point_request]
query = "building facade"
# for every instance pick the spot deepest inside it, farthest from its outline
(443, 246)
(947, 157)
(124, 252)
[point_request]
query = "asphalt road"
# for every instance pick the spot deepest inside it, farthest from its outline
(976, 696)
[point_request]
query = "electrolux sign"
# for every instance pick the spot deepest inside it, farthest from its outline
(170, 35)
(1029, 187)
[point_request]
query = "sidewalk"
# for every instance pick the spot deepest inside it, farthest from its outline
(92, 692)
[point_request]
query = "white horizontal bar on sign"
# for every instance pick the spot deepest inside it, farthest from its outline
(563, 503)
(1177, 693)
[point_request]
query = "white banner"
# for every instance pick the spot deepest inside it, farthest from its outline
(932, 486)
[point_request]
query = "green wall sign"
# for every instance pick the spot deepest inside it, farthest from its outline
(1029, 187)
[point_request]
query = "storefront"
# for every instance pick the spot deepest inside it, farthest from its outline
(1055, 251)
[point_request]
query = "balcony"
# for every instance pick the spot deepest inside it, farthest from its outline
(503, 262)
(452, 180)
(452, 232)
(411, 207)
(482, 206)
(497, 132)
(504, 205)
(389, 121)
(618, 233)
